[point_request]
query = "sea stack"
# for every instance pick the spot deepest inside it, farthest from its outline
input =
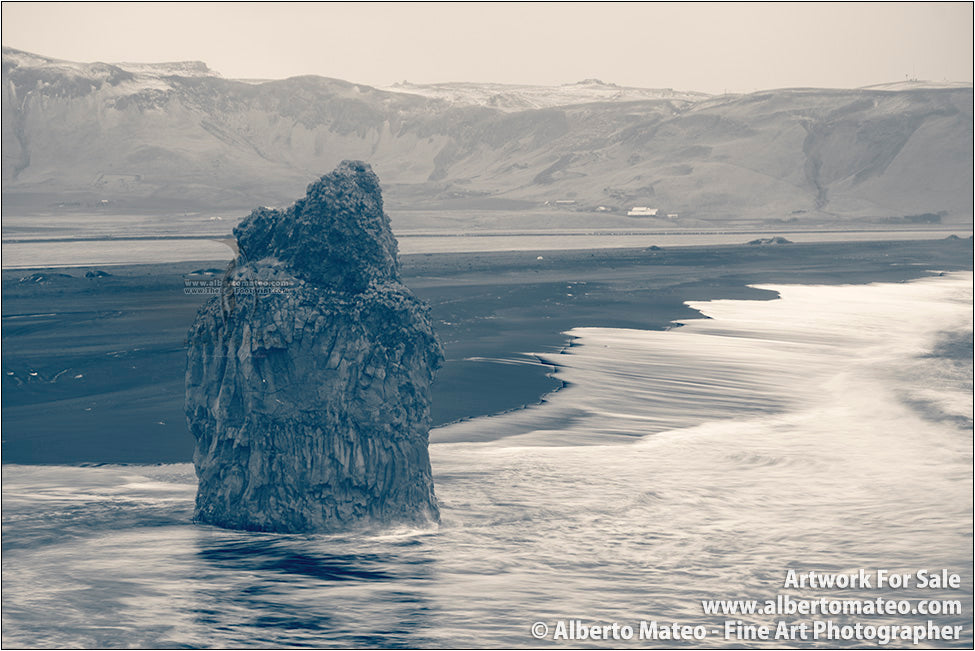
(308, 377)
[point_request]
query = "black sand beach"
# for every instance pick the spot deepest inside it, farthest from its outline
(93, 367)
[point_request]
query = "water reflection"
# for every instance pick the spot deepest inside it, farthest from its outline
(303, 590)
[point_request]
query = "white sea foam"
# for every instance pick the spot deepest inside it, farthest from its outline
(815, 431)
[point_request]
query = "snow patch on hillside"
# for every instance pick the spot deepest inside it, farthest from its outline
(169, 69)
(517, 97)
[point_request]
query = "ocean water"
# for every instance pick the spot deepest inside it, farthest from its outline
(828, 430)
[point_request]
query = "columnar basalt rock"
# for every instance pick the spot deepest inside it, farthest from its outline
(308, 378)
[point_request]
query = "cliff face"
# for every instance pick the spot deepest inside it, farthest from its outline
(308, 378)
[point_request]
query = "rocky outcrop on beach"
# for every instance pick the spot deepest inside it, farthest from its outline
(44, 277)
(308, 377)
(770, 241)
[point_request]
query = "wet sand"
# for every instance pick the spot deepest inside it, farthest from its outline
(93, 367)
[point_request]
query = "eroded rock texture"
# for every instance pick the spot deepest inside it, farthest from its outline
(308, 378)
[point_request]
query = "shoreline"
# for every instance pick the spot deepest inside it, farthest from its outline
(124, 333)
(594, 231)
(146, 250)
(508, 256)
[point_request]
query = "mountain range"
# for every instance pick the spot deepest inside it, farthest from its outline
(178, 136)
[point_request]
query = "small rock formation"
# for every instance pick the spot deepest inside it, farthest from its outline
(44, 277)
(308, 378)
(97, 273)
(770, 241)
(207, 272)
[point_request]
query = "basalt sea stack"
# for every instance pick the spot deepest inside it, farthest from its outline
(308, 377)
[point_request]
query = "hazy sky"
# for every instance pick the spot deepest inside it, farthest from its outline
(710, 47)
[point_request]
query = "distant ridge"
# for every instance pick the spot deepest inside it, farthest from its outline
(19, 58)
(177, 136)
(915, 84)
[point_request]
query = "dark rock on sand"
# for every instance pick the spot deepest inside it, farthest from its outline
(43, 277)
(770, 241)
(308, 378)
(207, 272)
(97, 273)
